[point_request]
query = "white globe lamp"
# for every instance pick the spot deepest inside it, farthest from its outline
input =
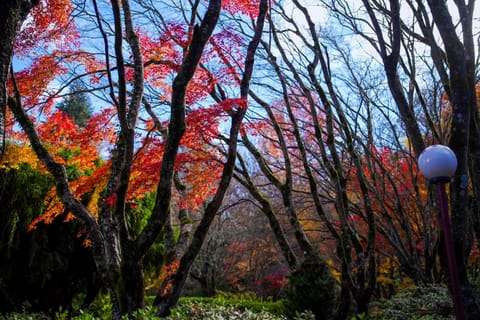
(437, 163)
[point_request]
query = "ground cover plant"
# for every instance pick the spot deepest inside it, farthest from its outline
(188, 308)
(414, 303)
(423, 302)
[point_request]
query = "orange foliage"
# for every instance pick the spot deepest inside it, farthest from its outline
(48, 26)
(162, 56)
(198, 163)
(60, 134)
(79, 187)
(71, 146)
(16, 154)
(165, 278)
(226, 54)
(33, 81)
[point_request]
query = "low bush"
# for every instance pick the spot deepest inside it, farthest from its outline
(312, 287)
(274, 307)
(188, 309)
(205, 310)
(419, 303)
(430, 302)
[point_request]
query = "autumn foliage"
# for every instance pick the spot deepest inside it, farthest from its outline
(52, 35)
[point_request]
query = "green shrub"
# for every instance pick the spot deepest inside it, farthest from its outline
(24, 316)
(273, 307)
(423, 302)
(205, 310)
(312, 287)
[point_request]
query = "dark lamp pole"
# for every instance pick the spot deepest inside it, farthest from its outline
(438, 163)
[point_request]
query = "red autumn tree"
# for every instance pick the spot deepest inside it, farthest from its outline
(149, 147)
(406, 231)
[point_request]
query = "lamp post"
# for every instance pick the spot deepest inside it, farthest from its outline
(438, 163)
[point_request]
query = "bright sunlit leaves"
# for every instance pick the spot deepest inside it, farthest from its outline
(50, 48)
(16, 154)
(246, 7)
(48, 26)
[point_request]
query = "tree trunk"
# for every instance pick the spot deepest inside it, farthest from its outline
(464, 108)
(363, 302)
(206, 278)
(169, 298)
(172, 287)
(341, 312)
(132, 284)
(12, 15)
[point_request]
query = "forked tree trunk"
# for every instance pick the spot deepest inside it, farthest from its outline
(169, 296)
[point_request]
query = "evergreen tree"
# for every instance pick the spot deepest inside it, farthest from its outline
(46, 268)
(77, 104)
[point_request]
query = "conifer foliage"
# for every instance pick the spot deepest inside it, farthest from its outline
(77, 104)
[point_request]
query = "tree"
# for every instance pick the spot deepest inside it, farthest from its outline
(317, 145)
(45, 268)
(237, 114)
(117, 250)
(453, 58)
(332, 125)
(77, 104)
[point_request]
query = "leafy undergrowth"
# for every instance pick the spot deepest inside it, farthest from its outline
(231, 309)
(188, 309)
(418, 303)
(427, 302)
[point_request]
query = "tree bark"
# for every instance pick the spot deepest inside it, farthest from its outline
(464, 115)
(71, 203)
(12, 15)
(390, 62)
(168, 298)
(132, 282)
(124, 264)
